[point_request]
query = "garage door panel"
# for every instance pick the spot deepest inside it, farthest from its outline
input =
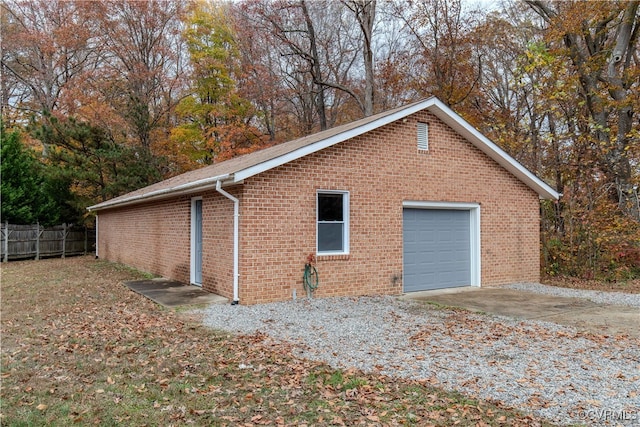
(437, 249)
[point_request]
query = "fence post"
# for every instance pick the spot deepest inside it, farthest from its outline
(86, 232)
(6, 241)
(38, 240)
(64, 238)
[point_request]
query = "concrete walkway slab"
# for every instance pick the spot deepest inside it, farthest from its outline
(580, 313)
(170, 293)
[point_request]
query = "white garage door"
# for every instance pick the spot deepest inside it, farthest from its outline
(437, 249)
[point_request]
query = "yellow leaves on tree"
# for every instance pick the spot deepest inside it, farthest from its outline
(215, 120)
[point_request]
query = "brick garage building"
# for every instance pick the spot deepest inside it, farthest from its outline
(407, 200)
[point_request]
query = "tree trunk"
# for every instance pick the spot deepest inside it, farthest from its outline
(315, 68)
(365, 12)
(584, 50)
(626, 39)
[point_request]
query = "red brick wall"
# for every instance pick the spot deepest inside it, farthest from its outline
(155, 238)
(149, 237)
(278, 218)
(380, 170)
(217, 244)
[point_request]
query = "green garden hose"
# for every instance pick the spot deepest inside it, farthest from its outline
(310, 279)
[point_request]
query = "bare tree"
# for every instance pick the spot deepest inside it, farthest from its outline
(365, 14)
(326, 50)
(144, 70)
(445, 57)
(48, 45)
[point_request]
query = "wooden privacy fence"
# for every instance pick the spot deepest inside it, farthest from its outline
(34, 241)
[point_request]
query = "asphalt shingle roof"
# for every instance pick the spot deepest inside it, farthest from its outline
(226, 171)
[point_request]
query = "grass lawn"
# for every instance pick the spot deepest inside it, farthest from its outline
(80, 348)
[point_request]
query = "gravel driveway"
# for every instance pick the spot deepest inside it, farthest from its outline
(543, 368)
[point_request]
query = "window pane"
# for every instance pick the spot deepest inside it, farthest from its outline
(330, 237)
(330, 207)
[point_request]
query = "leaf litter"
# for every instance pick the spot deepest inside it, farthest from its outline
(78, 347)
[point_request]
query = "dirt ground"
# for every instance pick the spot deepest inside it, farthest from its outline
(629, 286)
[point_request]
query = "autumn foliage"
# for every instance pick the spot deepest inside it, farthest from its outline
(168, 86)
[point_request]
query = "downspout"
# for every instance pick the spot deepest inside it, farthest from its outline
(96, 235)
(236, 215)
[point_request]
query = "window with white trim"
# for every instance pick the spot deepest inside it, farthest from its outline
(332, 222)
(423, 136)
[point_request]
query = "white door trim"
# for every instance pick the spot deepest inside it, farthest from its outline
(192, 267)
(474, 229)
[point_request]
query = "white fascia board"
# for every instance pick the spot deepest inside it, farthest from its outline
(189, 187)
(483, 143)
(328, 142)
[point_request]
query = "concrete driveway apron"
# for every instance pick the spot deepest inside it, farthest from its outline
(584, 315)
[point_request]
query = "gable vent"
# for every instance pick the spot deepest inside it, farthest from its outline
(423, 136)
